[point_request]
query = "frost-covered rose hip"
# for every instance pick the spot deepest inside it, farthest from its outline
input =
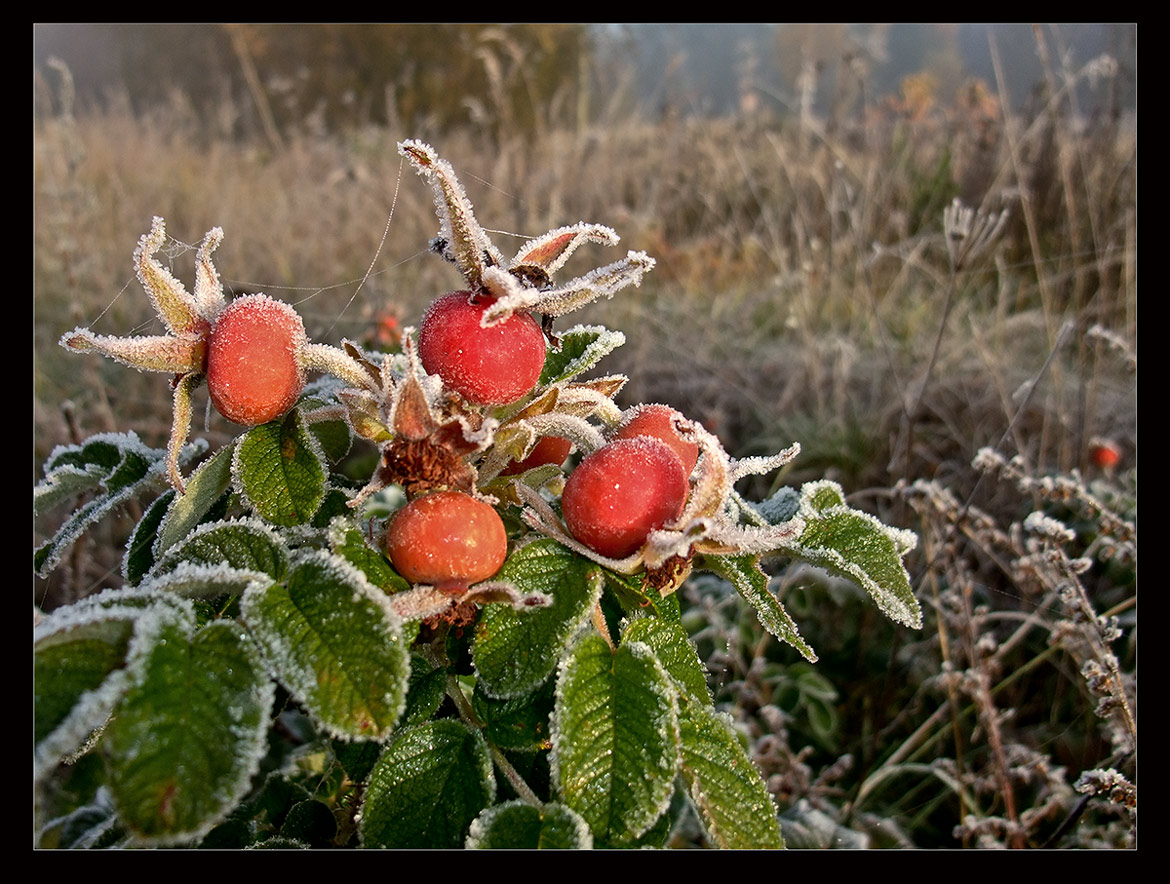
(658, 421)
(550, 449)
(623, 491)
(446, 539)
(488, 366)
(255, 370)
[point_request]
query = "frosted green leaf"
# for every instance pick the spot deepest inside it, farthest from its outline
(205, 487)
(349, 543)
(582, 347)
(428, 786)
(311, 822)
(857, 546)
(637, 599)
(674, 651)
(68, 665)
(333, 641)
(425, 693)
(139, 557)
(244, 544)
(614, 737)
(822, 495)
(114, 467)
(515, 651)
(334, 436)
(743, 572)
(517, 825)
(208, 582)
(279, 469)
(78, 656)
(725, 787)
(188, 734)
(519, 723)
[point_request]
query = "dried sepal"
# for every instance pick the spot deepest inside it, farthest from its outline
(165, 353)
(179, 311)
(466, 242)
(603, 282)
(525, 283)
(424, 602)
(364, 412)
(180, 425)
(550, 252)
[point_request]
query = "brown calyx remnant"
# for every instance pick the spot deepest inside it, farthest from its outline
(459, 616)
(422, 465)
(669, 576)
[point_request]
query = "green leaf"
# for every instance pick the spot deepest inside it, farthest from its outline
(349, 543)
(515, 651)
(279, 469)
(743, 572)
(139, 557)
(115, 467)
(725, 787)
(636, 598)
(614, 737)
(334, 436)
(334, 642)
(674, 651)
(311, 822)
(78, 656)
(204, 489)
(243, 544)
(69, 666)
(857, 546)
(582, 347)
(189, 733)
(520, 723)
(517, 825)
(428, 786)
(428, 687)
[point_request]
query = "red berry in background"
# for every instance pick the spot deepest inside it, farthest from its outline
(254, 369)
(488, 366)
(621, 492)
(1105, 453)
(446, 539)
(658, 421)
(550, 449)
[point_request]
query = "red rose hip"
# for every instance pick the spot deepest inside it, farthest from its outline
(446, 539)
(254, 368)
(658, 421)
(487, 366)
(623, 491)
(550, 449)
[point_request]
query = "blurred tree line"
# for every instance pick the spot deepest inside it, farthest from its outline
(429, 78)
(333, 75)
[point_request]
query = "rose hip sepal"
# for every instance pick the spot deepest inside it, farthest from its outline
(524, 284)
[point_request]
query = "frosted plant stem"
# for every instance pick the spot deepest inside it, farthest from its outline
(455, 692)
(514, 779)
